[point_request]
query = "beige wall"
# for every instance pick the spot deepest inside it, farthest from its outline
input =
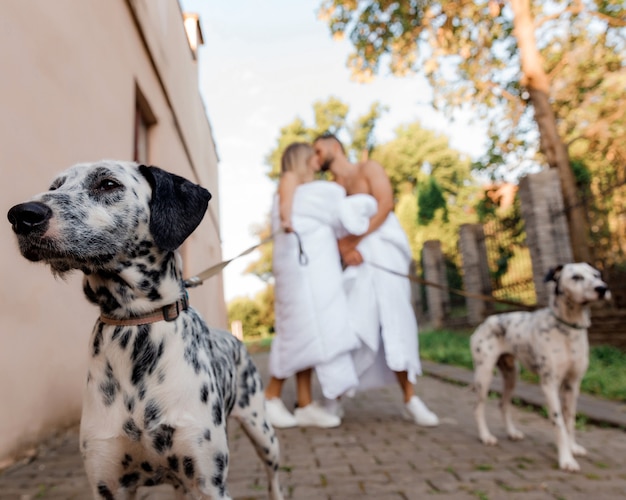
(70, 70)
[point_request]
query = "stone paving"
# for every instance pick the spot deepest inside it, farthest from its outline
(376, 454)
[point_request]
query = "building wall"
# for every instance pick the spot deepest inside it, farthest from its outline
(71, 71)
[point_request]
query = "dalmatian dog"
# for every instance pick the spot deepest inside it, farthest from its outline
(160, 383)
(551, 342)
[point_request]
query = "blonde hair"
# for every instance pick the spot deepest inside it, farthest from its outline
(295, 157)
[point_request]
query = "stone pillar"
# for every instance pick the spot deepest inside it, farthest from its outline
(435, 271)
(547, 233)
(476, 277)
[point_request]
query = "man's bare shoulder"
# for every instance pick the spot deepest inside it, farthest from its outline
(370, 167)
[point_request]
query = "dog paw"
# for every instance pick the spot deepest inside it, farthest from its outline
(569, 464)
(515, 435)
(489, 440)
(578, 450)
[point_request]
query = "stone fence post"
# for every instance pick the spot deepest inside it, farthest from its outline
(547, 233)
(435, 271)
(476, 277)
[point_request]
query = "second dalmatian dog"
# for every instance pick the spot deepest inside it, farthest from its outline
(160, 383)
(551, 342)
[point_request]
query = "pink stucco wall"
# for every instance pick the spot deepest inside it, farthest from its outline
(70, 70)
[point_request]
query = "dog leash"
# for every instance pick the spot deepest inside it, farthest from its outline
(470, 295)
(200, 278)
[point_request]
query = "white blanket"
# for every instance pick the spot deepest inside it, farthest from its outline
(377, 297)
(311, 310)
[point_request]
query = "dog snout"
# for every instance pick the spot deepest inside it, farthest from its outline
(602, 291)
(29, 217)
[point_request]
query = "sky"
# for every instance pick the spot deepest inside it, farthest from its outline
(262, 65)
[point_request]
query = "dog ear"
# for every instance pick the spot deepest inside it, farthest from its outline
(176, 208)
(553, 274)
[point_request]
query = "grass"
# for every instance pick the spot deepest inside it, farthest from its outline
(606, 376)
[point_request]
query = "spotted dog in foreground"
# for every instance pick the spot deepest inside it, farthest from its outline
(551, 342)
(160, 384)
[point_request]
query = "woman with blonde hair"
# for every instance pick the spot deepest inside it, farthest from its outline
(312, 326)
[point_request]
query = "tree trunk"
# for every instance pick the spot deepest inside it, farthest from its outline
(537, 84)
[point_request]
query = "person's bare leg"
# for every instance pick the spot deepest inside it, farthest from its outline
(303, 387)
(414, 407)
(309, 413)
(274, 388)
(405, 385)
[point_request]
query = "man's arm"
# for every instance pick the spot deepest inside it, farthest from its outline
(380, 188)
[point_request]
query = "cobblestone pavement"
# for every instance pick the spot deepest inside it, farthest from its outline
(376, 454)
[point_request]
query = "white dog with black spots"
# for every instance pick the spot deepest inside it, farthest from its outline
(551, 342)
(160, 383)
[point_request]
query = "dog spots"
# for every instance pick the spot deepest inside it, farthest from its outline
(125, 338)
(207, 434)
(217, 413)
(132, 430)
(163, 438)
(145, 355)
(97, 340)
(173, 463)
(188, 467)
(220, 461)
(147, 467)
(151, 414)
(105, 492)
(204, 393)
(127, 460)
(129, 403)
(129, 480)
(109, 386)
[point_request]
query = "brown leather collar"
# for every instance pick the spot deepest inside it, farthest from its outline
(165, 313)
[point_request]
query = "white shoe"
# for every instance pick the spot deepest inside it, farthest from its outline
(278, 415)
(315, 416)
(334, 407)
(417, 411)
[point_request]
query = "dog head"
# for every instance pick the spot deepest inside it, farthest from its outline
(578, 282)
(95, 212)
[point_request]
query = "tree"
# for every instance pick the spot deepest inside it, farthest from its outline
(473, 52)
(256, 314)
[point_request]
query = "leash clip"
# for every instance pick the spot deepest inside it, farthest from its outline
(192, 282)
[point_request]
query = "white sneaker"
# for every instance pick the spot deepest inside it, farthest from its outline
(417, 411)
(278, 415)
(334, 407)
(315, 416)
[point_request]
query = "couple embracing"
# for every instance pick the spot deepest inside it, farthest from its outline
(339, 313)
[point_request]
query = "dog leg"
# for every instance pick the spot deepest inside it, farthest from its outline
(569, 396)
(112, 492)
(566, 458)
(264, 440)
(506, 364)
(482, 380)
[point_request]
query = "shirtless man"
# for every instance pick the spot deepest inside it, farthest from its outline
(386, 242)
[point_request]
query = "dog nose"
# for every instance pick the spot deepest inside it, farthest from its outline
(28, 217)
(601, 291)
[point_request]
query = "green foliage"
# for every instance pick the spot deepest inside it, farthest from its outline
(447, 347)
(256, 314)
(430, 199)
(606, 375)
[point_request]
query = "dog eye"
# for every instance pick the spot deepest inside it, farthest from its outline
(107, 185)
(577, 277)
